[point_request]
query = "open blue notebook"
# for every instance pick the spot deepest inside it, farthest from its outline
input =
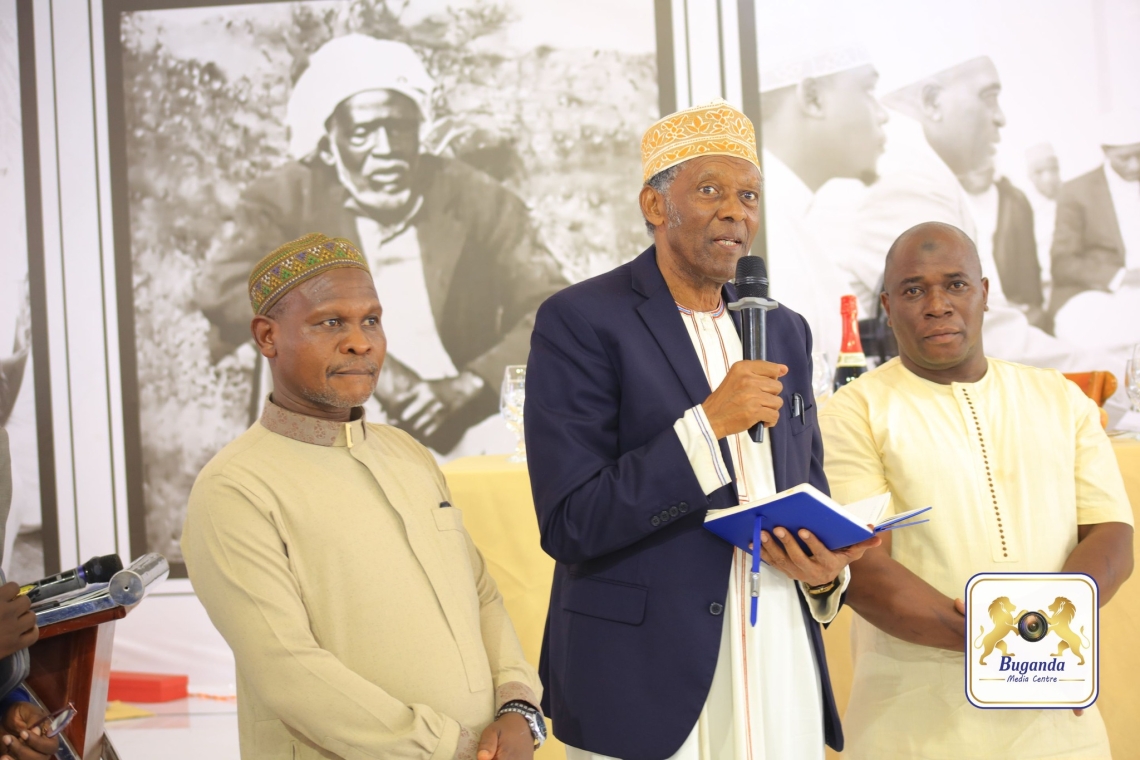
(806, 507)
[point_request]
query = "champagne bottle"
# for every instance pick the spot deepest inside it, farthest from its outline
(852, 362)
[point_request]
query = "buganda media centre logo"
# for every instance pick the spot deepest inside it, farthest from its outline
(1032, 640)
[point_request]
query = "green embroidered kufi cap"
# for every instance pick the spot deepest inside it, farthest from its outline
(296, 261)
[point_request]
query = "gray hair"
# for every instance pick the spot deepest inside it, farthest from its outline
(661, 182)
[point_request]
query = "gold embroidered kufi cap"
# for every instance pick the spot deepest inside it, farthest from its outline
(715, 129)
(296, 261)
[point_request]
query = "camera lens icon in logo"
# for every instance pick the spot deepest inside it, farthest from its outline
(1032, 626)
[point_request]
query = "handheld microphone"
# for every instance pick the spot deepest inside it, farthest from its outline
(96, 570)
(753, 304)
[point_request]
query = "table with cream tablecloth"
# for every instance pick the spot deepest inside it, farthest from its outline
(498, 511)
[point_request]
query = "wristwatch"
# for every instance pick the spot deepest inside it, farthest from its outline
(531, 714)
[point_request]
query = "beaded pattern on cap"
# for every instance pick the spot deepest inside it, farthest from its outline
(296, 261)
(715, 129)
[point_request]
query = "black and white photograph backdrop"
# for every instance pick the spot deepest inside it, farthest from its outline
(482, 155)
(1017, 121)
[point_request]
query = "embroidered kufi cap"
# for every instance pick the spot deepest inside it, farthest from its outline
(346, 66)
(297, 261)
(715, 129)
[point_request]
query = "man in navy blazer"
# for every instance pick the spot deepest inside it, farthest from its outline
(637, 612)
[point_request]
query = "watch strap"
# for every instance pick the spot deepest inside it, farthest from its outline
(531, 714)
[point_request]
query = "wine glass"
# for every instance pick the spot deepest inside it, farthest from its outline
(821, 376)
(1132, 378)
(511, 407)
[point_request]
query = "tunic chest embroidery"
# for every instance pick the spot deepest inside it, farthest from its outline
(989, 473)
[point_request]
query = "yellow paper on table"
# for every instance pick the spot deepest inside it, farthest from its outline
(119, 710)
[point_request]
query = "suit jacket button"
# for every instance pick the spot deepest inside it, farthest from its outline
(673, 511)
(664, 515)
(716, 608)
(684, 507)
(655, 521)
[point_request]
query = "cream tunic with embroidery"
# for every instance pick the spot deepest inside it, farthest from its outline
(1011, 464)
(363, 620)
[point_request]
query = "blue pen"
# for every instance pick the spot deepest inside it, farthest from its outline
(755, 568)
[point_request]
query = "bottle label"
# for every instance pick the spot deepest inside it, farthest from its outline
(852, 360)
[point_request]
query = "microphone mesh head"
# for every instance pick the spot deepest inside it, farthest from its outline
(101, 569)
(751, 278)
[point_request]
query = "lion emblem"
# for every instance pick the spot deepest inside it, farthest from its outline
(1002, 614)
(1060, 620)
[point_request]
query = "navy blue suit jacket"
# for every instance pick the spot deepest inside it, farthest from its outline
(634, 625)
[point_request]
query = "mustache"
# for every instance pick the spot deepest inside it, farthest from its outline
(372, 165)
(367, 365)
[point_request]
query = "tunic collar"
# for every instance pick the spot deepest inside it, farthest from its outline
(306, 429)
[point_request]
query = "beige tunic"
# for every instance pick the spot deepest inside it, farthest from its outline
(1012, 464)
(363, 620)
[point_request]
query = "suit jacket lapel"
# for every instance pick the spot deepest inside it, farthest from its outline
(659, 312)
(1109, 210)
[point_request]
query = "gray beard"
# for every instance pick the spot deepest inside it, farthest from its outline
(332, 399)
(369, 200)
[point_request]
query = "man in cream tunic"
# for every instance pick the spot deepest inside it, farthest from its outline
(1022, 479)
(637, 410)
(363, 620)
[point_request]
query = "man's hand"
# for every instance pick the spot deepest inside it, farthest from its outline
(750, 393)
(429, 403)
(823, 566)
(508, 738)
(21, 740)
(17, 621)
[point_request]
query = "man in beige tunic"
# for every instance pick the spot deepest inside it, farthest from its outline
(1022, 479)
(363, 620)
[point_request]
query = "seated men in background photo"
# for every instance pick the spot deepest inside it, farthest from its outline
(637, 409)
(939, 165)
(20, 739)
(326, 551)
(453, 252)
(1044, 171)
(1096, 245)
(1022, 478)
(939, 149)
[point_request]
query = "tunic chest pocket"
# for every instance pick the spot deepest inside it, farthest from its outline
(448, 518)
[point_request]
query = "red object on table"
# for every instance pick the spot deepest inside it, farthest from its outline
(146, 687)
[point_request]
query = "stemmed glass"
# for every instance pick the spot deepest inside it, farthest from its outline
(1132, 378)
(511, 407)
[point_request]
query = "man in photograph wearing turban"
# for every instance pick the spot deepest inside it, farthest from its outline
(821, 121)
(363, 621)
(452, 251)
(637, 408)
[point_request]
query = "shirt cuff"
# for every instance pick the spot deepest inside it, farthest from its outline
(515, 691)
(468, 747)
(702, 449)
(825, 608)
(1118, 280)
